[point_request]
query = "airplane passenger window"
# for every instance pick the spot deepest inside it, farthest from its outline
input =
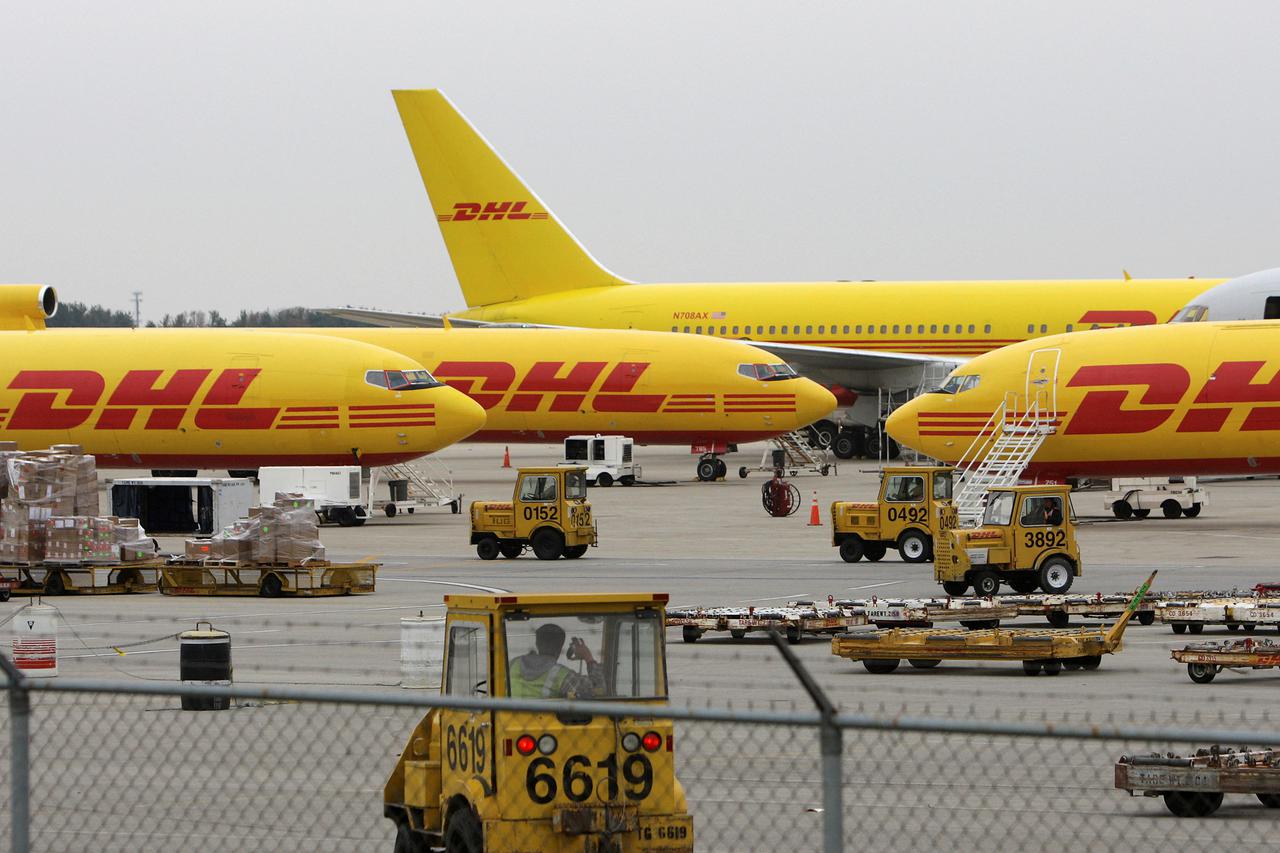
(686, 330)
(735, 330)
(698, 330)
(759, 330)
(933, 329)
(1068, 327)
(723, 330)
(1031, 328)
(895, 329)
(857, 330)
(1095, 326)
(773, 330)
(884, 330)
(822, 330)
(808, 330)
(846, 330)
(675, 328)
(986, 328)
(1043, 328)
(946, 330)
(795, 330)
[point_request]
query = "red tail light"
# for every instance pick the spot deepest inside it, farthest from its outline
(651, 741)
(525, 744)
(671, 743)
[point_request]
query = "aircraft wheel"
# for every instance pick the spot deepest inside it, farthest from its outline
(914, 546)
(1191, 511)
(874, 551)
(1056, 575)
(851, 549)
(1122, 510)
(604, 481)
(1202, 673)
(1192, 803)
(880, 667)
(1171, 509)
(845, 445)
(547, 544)
(706, 470)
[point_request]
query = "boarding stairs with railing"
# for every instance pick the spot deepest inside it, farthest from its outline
(1000, 453)
(430, 483)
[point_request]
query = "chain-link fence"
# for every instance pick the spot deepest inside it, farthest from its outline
(904, 762)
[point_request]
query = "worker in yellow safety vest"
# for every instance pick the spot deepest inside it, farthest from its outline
(539, 675)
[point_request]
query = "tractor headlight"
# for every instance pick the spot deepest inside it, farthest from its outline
(631, 742)
(547, 744)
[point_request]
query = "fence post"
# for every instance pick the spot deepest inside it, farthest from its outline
(831, 742)
(19, 757)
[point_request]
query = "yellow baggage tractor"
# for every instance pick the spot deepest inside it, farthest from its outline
(1045, 650)
(85, 578)
(1205, 660)
(225, 577)
(1193, 786)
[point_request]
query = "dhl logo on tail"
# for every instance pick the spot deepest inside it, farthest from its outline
(474, 211)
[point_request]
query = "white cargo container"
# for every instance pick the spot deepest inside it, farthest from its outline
(607, 457)
(337, 491)
(182, 505)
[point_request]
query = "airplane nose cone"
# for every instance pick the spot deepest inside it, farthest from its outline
(813, 402)
(457, 417)
(903, 425)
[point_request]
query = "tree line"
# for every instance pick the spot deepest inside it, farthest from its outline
(79, 315)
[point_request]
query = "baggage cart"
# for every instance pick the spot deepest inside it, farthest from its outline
(81, 579)
(1193, 786)
(1205, 660)
(226, 577)
(793, 620)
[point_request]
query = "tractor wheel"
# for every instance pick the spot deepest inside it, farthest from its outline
(547, 544)
(874, 551)
(603, 480)
(1056, 575)
(986, 583)
(690, 634)
(1171, 509)
(924, 663)
(1146, 617)
(462, 833)
(1193, 803)
(1058, 619)
(511, 550)
(955, 589)
(851, 549)
(1122, 510)
(406, 841)
(573, 552)
(914, 546)
(880, 667)
(488, 548)
(1179, 628)
(1202, 673)
(1141, 513)
(1191, 511)
(1023, 583)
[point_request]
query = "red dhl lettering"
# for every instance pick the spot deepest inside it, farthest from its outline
(82, 390)
(476, 211)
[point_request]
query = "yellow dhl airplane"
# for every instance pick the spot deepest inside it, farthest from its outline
(215, 398)
(517, 263)
(1178, 399)
(541, 385)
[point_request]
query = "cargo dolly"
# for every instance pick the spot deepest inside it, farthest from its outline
(80, 578)
(974, 613)
(793, 621)
(1058, 609)
(1232, 612)
(1193, 786)
(227, 577)
(1205, 660)
(1040, 649)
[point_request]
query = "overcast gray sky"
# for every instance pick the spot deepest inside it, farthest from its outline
(248, 154)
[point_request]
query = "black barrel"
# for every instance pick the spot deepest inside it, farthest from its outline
(204, 657)
(399, 489)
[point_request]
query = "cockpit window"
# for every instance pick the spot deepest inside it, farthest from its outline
(767, 372)
(957, 384)
(1192, 314)
(401, 380)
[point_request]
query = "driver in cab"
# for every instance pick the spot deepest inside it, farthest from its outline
(539, 675)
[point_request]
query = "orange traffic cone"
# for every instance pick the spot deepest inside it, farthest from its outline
(506, 457)
(815, 518)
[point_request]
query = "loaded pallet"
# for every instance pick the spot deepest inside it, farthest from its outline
(793, 620)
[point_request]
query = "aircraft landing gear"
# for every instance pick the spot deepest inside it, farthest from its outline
(711, 467)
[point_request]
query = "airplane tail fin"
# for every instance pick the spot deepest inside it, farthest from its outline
(504, 242)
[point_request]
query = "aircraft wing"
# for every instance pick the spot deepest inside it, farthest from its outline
(862, 369)
(398, 319)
